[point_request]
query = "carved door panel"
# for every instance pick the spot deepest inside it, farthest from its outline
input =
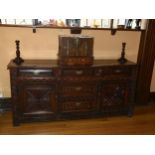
(114, 96)
(37, 99)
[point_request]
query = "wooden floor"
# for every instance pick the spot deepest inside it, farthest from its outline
(143, 122)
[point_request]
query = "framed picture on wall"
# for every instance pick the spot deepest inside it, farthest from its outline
(105, 23)
(73, 22)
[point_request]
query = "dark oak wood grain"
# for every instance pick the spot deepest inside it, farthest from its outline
(43, 91)
(145, 62)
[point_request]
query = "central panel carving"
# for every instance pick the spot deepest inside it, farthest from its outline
(37, 99)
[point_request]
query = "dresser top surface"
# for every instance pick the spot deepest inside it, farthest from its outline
(48, 63)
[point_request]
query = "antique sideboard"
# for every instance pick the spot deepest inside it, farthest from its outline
(42, 90)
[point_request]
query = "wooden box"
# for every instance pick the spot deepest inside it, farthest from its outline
(75, 50)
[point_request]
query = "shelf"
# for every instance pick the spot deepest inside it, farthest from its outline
(74, 30)
(64, 27)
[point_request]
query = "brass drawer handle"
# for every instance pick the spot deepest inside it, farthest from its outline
(79, 72)
(36, 72)
(77, 104)
(118, 71)
(99, 72)
(78, 88)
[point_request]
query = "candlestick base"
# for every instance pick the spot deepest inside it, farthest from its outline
(18, 60)
(122, 60)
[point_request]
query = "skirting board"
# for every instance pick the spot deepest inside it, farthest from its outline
(5, 104)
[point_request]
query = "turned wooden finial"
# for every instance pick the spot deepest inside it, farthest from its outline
(18, 60)
(122, 59)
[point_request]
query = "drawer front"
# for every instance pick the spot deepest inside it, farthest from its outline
(78, 89)
(113, 71)
(77, 106)
(36, 72)
(76, 72)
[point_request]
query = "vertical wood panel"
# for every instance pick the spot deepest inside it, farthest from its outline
(145, 63)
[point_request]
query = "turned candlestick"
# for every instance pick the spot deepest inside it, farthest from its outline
(122, 59)
(18, 60)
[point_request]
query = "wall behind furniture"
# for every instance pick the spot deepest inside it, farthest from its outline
(44, 45)
(152, 88)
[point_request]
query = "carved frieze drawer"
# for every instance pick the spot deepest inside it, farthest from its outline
(36, 72)
(113, 71)
(69, 89)
(76, 72)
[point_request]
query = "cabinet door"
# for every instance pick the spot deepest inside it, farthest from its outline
(37, 99)
(114, 97)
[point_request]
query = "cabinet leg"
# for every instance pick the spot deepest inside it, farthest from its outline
(130, 112)
(16, 123)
